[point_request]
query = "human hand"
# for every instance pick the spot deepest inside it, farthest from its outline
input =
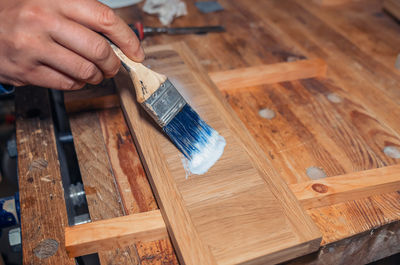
(55, 44)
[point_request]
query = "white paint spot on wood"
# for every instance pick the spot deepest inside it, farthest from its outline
(315, 173)
(267, 113)
(392, 151)
(335, 98)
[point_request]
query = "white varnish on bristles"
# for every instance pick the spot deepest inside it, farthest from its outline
(209, 154)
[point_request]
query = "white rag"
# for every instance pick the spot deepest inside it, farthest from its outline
(167, 10)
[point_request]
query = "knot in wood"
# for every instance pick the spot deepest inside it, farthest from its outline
(46, 248)
(320, 188)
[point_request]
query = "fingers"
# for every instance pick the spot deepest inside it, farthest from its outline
(71, 64)
(45, 76)
(101, 18)
(88, 44)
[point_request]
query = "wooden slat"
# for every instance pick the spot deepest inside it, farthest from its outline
(210, 227)
(329, 191)
(101, 192)
(119, 231)
(132, 182)
(92, 97)
(393, 7)
(268, 74)
(43, 211)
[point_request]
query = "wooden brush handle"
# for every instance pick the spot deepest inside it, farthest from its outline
(146, 81)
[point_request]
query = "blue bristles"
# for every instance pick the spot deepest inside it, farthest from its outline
(188, 132)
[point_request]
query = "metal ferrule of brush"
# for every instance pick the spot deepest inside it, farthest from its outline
(164, 103)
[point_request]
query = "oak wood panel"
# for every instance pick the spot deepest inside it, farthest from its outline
(115, 232)
(353, 186)
(268, 74)
(132, 182)
(101, 192)
(202, 217)
(43, 210)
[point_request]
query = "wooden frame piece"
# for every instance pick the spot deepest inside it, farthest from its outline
(212, 219)
(92, 97)
(268, 74)
(332, 190)
(115, 232)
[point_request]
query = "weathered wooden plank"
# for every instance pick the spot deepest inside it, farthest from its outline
(101, 192)
(353, 70)
(119, 231)
(268, 74)
(333, 190)
(363, 248)
(340, 221)
(363, 24)
(43, 211)
(216, 224)
(132, 182)
(292, 146)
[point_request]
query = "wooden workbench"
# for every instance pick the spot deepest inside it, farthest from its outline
(332, 129)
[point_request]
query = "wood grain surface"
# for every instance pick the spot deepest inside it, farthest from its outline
(268, 74)
(349, 187)
(101, 192)
(120, 231)
(132, 183)
(40, 184)
(219, 217)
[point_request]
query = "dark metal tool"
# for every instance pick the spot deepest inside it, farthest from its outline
(142, 31)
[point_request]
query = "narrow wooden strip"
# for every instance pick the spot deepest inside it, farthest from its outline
(132, 182)
(119, 231)
(92, 97)
(97, 103)
(43, 211)
(393, 7)
(348, 187)
(193, 251)
(268, 74)
(101, 192)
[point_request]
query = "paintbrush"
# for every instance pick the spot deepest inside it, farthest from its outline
(197, 141)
